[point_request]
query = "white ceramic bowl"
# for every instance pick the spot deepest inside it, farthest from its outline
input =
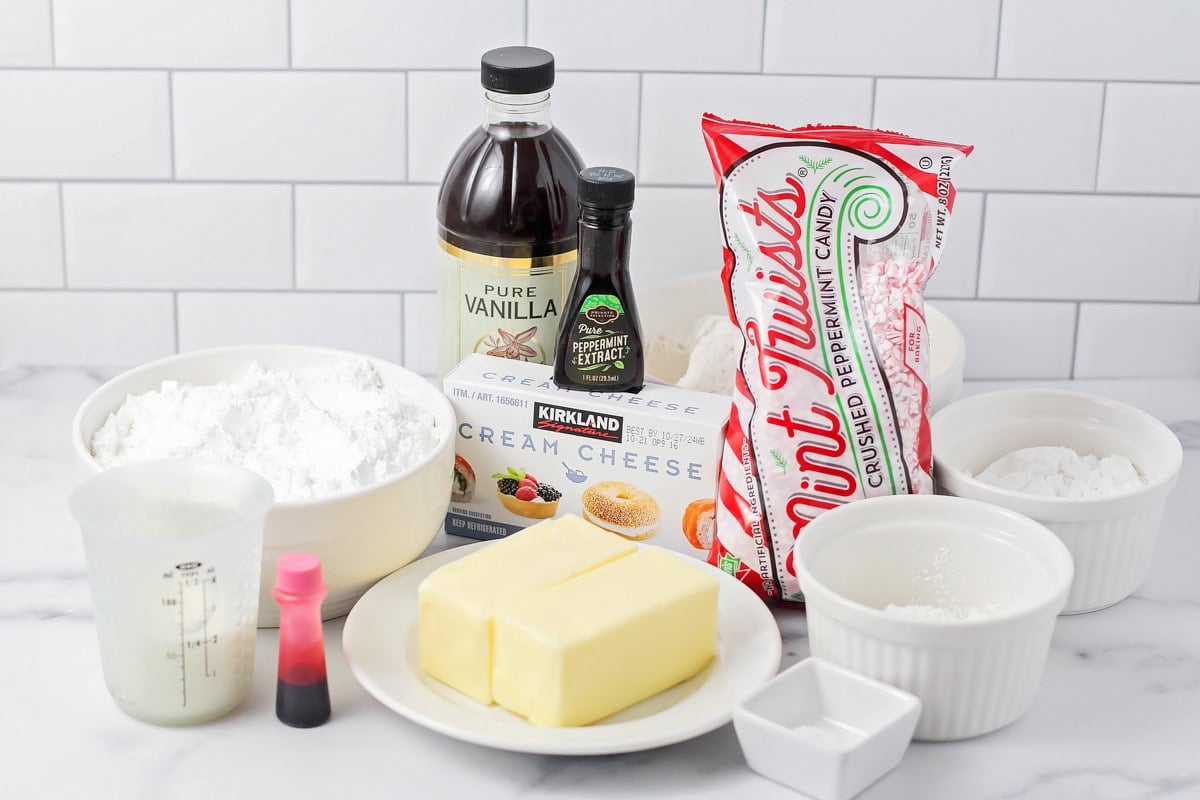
(672, 308)
(1112, 539)
(824, 730)
(360, 536)
(971, 675)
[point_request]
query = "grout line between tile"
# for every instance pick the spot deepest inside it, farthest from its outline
(999, 27)
(1175, 303)
(638, 148)
(403, 311)
(1100, 137)
(175, 315)
(734, 73)
(1075, 336)
(294, 236)
(62, 234)
(171, 118)
(762, 43)
(289, 34)
(407, 126)
(526, 21)
(979, 258)
(648, 185)
(53, 44)
(874, 87)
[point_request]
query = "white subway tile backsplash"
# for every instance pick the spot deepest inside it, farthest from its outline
(289, 126)
(30, 236)
(443, 108)
(85, 328)
(1013, 339)
(1150, 135)
(882, 37)
(675, 232)
(402, 34)
(77, 124)
(25, 33)
(959, 267)
(672, 147)
(278, 161)
(1113, 39)
(362, 323)
(1027, 134)
(1138, 340)
(1088, 247)
(422, 327)
(177, 235)
(597, 111)
(366, 237)
(181, 33)
(693, 35)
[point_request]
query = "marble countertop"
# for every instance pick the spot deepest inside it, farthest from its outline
(1117, 716)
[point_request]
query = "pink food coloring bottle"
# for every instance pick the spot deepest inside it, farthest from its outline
(302, 691)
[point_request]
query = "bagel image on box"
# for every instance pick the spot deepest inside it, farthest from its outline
(642, 465)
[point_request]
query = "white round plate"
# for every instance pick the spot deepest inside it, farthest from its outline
(380, 642)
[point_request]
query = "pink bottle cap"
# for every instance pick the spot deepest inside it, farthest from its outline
(298, 573)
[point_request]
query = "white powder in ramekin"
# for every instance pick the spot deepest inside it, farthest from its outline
(933, 583)
(1061, 472)
(312, 432)
(925, 613)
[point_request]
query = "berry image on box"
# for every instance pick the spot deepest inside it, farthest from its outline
(522, 494)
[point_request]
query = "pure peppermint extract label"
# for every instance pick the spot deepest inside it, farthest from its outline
(600, 341)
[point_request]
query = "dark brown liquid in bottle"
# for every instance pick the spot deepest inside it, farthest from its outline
(507, 218)
(511, 195)
(599, 346)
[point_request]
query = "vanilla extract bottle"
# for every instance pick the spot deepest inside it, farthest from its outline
(507, 216)
(599, 343)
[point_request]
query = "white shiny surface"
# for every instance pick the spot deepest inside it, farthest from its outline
(1117, 716)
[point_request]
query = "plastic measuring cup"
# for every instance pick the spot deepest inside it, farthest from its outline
(174, 553)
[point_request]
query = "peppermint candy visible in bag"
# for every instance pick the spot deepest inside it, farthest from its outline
(830, 236)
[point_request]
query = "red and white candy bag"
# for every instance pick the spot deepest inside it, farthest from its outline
(830, 236)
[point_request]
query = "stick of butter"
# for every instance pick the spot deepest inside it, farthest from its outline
(589, 647)
(456, 602)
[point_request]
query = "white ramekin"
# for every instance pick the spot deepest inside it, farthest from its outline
(1112, 538)
(972, 675)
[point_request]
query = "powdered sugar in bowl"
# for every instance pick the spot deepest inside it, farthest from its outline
(394, 427)
(1111, 524)
(951, 600)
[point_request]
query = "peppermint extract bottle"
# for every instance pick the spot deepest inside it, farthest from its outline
(599, 345)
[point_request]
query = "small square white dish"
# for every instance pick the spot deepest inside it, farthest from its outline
(824, 730)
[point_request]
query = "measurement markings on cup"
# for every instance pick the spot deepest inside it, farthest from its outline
(188, 576)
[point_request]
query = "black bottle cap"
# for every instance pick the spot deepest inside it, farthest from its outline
(606, 187)
(517, 70)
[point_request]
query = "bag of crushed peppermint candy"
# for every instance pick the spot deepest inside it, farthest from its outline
(830, 235)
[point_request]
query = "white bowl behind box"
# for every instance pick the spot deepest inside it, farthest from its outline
(360, 536)
(972, 675)
(672, 308)
(1111, 539)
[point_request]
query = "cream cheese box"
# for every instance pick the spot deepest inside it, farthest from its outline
(643, 465)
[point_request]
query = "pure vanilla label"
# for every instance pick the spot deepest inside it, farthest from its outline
(504, 307)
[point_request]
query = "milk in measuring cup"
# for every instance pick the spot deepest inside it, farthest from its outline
(174, 553)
